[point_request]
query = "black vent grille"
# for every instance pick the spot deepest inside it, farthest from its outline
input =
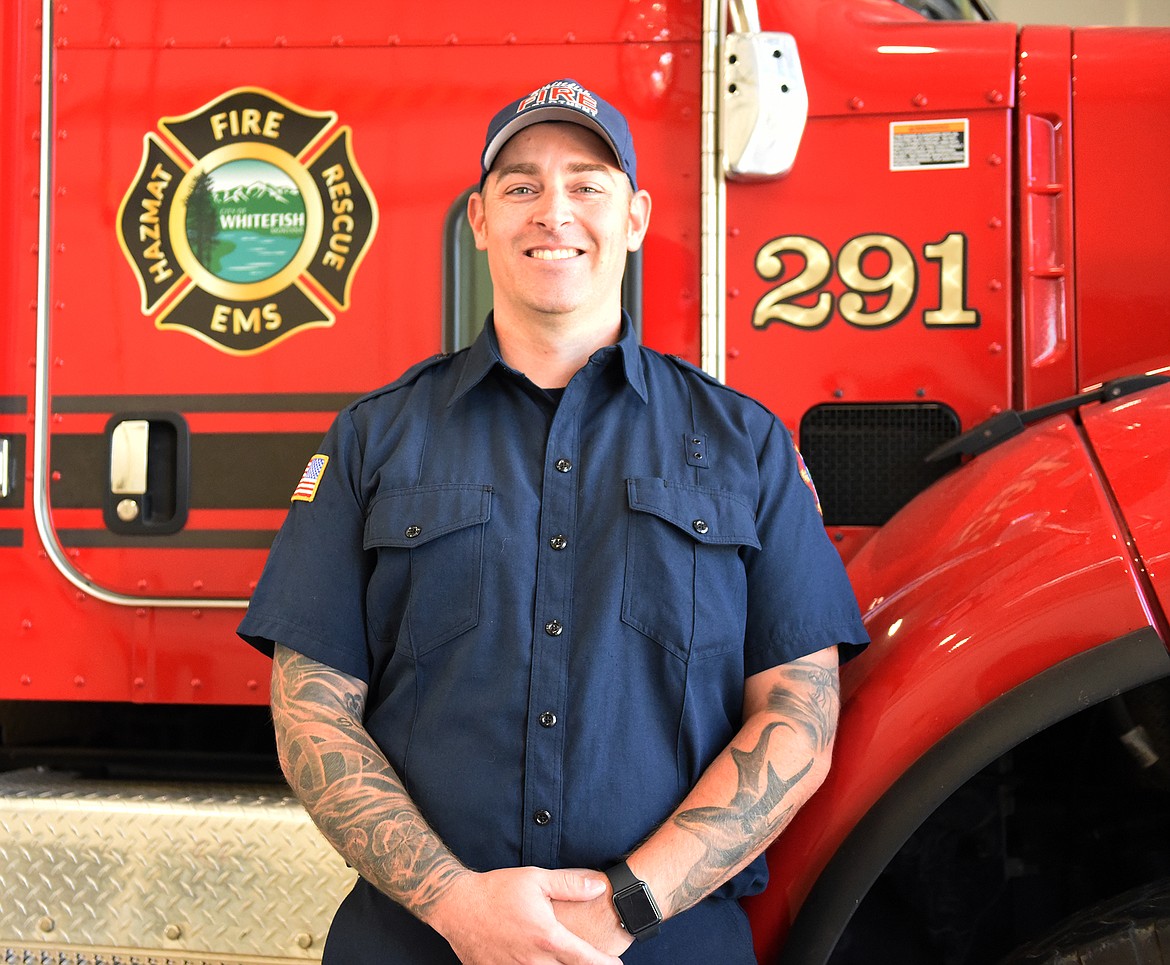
(868, 461)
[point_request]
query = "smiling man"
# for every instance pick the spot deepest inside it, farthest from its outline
(557, 220)
(554, 619)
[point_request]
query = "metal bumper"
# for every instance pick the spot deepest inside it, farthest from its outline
(104, 872)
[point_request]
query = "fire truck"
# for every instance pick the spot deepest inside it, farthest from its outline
(933, 243)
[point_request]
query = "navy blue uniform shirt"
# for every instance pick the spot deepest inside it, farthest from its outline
(555, 605)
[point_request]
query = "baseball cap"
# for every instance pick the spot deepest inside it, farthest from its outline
(562, 100)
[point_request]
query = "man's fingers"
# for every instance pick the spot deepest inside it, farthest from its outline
(571, 885)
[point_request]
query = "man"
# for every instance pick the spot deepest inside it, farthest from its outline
(555, 619)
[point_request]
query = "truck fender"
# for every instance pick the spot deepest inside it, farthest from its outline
(1006, 597)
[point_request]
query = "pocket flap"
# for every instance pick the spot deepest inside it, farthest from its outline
(715, 516)
(410, 517)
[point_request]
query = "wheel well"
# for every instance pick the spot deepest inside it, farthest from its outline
(962, 760)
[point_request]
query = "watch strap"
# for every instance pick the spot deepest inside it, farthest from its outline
(626, 884)
(621, 877)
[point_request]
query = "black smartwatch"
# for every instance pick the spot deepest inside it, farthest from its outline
(635, 905)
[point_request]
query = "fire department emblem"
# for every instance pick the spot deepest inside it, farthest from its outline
(247, 221)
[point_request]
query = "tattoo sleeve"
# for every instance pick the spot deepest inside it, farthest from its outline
(801, 719)
(349, 788)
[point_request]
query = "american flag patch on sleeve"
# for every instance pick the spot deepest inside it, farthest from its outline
(310, 479)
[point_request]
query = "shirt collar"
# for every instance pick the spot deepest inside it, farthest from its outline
(484, 354)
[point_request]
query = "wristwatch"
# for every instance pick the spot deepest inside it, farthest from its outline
(635, 905)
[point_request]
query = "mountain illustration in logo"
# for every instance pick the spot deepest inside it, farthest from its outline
(256, 191)
(245, 220)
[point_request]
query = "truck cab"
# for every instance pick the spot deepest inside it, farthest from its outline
(931, 242)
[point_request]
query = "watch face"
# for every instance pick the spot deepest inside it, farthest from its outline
(637, 908)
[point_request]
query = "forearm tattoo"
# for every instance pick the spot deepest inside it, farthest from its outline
(804, 705)
(809, 703)
(349, 789)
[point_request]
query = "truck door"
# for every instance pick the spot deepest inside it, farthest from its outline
(869, 282)
(244, 231)
(205, 220)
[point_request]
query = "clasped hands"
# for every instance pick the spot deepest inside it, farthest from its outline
(533, 916)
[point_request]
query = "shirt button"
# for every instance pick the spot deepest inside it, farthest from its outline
(558, 542)
(563, 465)
(553, 628)
(413, 532)
(700, 526)
(542, 817)
(548, 719)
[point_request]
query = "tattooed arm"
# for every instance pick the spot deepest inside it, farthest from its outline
(359, 803)
(747, 795)
(753, 790)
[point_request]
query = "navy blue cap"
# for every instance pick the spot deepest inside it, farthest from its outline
(562, 100)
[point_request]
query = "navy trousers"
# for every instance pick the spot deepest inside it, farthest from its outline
(369, 929)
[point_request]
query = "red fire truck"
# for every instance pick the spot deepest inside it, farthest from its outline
(935, 244)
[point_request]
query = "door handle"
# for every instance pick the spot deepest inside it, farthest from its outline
(149, 481)
(129, 444)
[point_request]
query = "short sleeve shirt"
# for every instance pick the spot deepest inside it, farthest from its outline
(555, 604)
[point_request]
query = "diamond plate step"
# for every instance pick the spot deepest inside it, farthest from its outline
(109, 872)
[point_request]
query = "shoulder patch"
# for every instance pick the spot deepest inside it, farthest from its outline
(306, 490)
(806, 477)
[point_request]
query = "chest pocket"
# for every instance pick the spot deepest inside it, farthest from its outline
(429, 541)
(685, 584)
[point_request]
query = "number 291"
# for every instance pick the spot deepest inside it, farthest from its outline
(898, 282)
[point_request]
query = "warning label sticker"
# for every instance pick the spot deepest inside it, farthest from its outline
(923, 145)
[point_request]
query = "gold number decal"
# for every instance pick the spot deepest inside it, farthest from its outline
(898, 282)
(776, 305)
(899, 279)
(951, 253)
